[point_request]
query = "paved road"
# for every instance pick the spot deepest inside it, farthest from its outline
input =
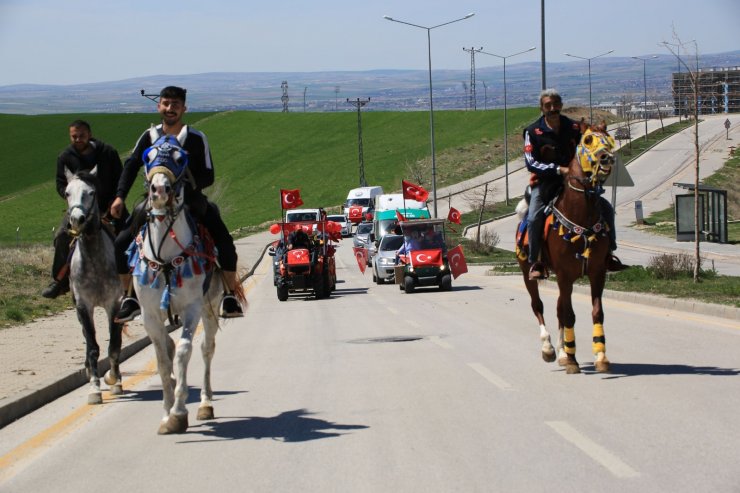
(314, 395)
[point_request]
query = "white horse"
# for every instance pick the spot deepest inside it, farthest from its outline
(93, 278)
(170, 275)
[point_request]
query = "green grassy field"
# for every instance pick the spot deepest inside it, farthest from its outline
(256, 154)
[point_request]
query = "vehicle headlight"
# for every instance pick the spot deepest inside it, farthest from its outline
(385, 261)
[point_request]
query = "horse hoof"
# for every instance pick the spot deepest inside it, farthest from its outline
(116, 389)
(205, 413)
(174, 424)
(563, 361)
(572, 369)
(110, 379)
(548, 357)
(95, 398)
(602, 366)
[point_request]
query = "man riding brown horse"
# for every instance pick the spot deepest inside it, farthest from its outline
(549, 146)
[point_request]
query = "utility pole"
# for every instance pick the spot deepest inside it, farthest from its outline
(359, 103)
(336, 98)
(542, 35)
(305, 88)
(284, 97)
(472, 52)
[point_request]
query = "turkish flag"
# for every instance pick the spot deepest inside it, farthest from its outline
(456, 259)
(401, 218)
(290, 199)
(414, 192)
(420, 258)
(355, 213)
(454, 216)
(299, 256)
(361, 257)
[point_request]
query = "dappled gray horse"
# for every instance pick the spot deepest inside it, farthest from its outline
(93, 278)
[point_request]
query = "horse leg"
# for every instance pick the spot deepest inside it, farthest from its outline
(177, 419)
(208, 348)
(85, 316)
(597, 314)
(548, 351)
(567, 320)
(113, 376)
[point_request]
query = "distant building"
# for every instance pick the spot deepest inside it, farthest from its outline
(719, 91)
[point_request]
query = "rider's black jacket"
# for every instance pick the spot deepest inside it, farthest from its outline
(199, 165)
(109, 170)
(545, 151)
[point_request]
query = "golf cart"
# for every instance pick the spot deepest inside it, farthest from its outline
(423, 257)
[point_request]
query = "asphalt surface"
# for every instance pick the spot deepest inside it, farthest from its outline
(42, 361)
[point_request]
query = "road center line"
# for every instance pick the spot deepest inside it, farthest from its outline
(490, 376)
(593, 450)
(439, 342)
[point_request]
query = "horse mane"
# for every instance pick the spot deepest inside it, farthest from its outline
(87, 177)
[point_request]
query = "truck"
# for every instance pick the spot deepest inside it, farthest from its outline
(361, 201)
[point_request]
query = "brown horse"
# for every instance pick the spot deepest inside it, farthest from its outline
(575, 245)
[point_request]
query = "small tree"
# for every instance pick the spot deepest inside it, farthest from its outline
(693, 75)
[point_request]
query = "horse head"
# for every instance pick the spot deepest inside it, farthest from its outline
(165, 163)
(595, 154)
(82, 202)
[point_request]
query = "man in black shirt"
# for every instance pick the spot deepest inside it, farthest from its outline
(171, 107)
(83, 154)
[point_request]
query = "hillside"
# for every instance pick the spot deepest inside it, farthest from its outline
(257, 153)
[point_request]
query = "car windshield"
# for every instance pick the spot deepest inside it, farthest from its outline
(337, 219)
(391, 243)
(362, 202)
(364, 228)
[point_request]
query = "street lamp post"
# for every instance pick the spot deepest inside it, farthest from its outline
(506, 126)
(431, 102)
(590, 107)
(644, 86)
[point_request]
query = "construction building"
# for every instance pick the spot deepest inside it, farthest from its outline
(719, 91)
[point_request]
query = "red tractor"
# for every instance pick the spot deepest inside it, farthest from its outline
(304, 258)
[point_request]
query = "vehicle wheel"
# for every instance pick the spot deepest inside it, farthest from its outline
(375, 278)
(445, 284)
(318, 287)
(408, 284)
(282, 293)
(327, 283)
(378, 280)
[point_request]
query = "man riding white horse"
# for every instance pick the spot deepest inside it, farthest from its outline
(171, 107)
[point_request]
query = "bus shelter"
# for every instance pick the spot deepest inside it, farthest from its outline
(712, 214)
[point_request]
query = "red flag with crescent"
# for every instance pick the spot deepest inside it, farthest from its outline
(361, 257)
(421, 258)
(454, 216)
(299, 256)
(355, 213)
(456, 259)
(290, 199)
(401, 218)
(414, 192)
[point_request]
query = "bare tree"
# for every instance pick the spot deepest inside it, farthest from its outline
(693, 75)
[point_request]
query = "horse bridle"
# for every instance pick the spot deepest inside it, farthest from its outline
(85, 212)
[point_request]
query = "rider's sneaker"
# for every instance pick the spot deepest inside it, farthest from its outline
(614, 264)
(230, 307)
(129, 310)
(537, 271)
(55, 289)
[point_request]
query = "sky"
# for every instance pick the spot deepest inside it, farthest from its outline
(76, 41)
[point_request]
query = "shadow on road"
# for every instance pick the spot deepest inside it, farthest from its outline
(290, 426)
(620, 370)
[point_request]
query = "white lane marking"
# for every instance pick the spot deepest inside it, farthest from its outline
(593, 450)
(439, 342)
(392, 310)
(490, 376)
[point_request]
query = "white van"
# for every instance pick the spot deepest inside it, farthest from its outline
(393, 201)
(298, 215)
(363, 196)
